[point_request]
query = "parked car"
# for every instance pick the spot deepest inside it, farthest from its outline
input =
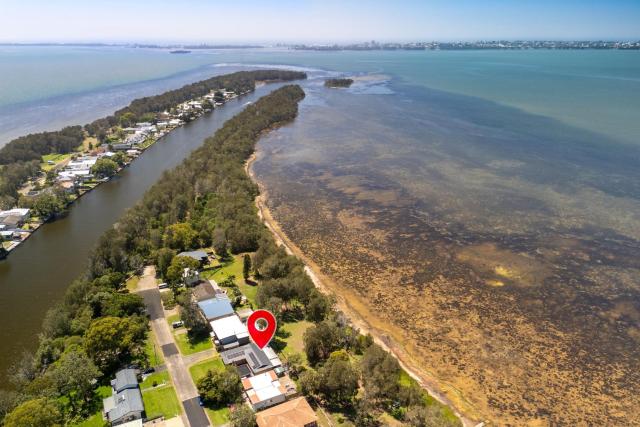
(177, 324)
(149, 371)
(200, 401)
(163, 286)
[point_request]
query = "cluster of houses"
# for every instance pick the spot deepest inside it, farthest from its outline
(11, 222)
(76, 175)
(267, 387)
(77, 172)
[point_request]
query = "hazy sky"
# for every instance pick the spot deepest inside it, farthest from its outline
(315, 20)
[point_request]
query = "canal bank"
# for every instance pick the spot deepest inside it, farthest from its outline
(37, 273)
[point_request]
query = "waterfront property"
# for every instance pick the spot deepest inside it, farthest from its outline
(201, 256)
(125, 403)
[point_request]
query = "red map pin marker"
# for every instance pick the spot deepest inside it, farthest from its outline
(262, 326)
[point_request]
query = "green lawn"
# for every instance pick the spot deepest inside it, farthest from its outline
(186, 347)
(132, 283)
(294, 342)
(96, 419)
(233, 268)
(56, 158)
(161, 401)
(160, 378)
(199, 370)
(218, 417)
(153, 351)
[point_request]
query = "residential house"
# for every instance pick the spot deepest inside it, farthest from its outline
(190, 277)
(229, 332)
(294, 413)
(14, 218)
(125, 404)
(249, 359)
(121, 147)
(217, 307)
(11, 222)
(263, 390)
(201, 256)
(244, 313)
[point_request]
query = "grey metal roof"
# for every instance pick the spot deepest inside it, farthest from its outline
(216, 307)
(250, 353)
(127, 401)
(197, 255)
(125, 378)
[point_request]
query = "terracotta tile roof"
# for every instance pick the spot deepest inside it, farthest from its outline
(294, 413)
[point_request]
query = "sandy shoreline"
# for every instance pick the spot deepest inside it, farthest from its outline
(351, 306)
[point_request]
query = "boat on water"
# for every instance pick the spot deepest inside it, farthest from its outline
(180, 51)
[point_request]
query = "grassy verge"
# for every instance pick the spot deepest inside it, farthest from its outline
(153, 351)
(200, 369)
(187, 347)
(161, 401)
(132, 283)
(159, 378)
(218, 417)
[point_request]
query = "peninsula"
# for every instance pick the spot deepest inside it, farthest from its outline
(195, 257)
(41, 174)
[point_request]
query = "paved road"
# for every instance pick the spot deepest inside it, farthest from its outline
(195, 413)
(182, 381)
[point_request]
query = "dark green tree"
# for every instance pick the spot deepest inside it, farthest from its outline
(320, 341)
(246, 266)
(221, 386)
(164, 256)
(380, 373)
(176, 269)
(112, 340)
(242, 416)
(42, 412)
(104, 168)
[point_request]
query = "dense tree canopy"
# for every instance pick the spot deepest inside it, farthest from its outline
(42, 412)
(221, 386)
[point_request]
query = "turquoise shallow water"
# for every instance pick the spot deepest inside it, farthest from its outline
(594, 90)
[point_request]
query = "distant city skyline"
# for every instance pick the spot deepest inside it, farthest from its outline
(315, 21)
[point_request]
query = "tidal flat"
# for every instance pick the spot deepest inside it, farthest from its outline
(501, 248)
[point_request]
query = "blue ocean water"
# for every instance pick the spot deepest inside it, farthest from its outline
(46, 87)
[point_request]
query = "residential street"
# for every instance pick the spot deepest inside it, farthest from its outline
(182, 381)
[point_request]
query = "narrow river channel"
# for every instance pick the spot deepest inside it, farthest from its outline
(35, 276)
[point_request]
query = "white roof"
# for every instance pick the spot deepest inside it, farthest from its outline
(273, 357)
(264, 386)
(82, 163)
(15, 211)
(74, 173)
(228, 327)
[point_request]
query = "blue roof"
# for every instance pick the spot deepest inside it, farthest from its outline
(217, 307)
